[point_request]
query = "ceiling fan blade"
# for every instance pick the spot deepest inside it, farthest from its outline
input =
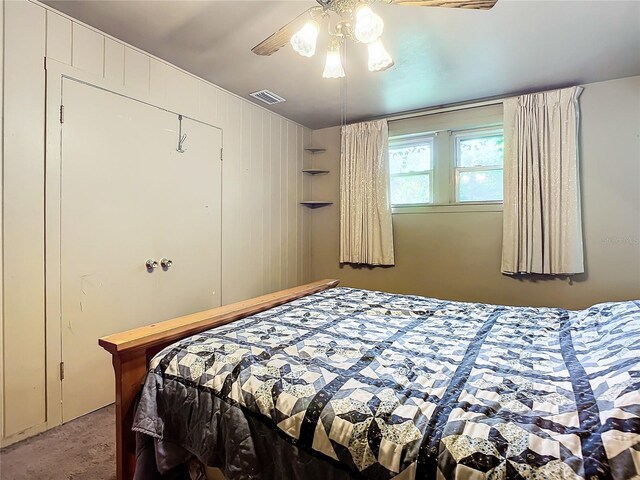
(280, 38)
(470, 4)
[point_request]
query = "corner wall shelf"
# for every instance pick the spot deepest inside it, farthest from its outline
(315, 203)
(313, 172)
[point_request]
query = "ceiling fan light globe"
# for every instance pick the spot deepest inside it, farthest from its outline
(304, 40)
(333, 65)
(369, 26)
(379, 58)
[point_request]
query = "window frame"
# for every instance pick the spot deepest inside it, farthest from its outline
(415, 139)
(456, 137)
(443, 173)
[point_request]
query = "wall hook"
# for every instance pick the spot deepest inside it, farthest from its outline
(181, 137)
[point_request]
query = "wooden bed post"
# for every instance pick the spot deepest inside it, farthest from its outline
(130, 370)
(132, 350)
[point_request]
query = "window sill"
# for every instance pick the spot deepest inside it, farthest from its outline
(448, 208)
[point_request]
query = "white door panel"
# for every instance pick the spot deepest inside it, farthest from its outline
(127, 196)
(191, 182)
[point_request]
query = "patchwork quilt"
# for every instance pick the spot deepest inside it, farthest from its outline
(394, 386)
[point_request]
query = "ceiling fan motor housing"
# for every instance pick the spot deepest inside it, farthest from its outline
(325, 3)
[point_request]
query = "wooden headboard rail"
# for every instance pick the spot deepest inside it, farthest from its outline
(132, 350)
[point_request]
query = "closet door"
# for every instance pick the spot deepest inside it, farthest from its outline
(128, 196)
(190, 223)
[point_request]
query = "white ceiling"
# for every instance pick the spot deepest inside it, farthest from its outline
(441, 55)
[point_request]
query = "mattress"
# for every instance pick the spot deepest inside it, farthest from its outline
(376, 385)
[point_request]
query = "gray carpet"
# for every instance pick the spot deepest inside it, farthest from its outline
(83, 449)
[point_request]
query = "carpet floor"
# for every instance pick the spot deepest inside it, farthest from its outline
(83, 449)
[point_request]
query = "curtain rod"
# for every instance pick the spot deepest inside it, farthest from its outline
(450, 107)
(443, 109)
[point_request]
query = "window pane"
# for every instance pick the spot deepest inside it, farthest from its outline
(410, 189)
(482, 151)
(480, 186)
(413, 158)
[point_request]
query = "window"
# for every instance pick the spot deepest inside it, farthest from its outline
(478, 170)
(447, 167)
(411, 169)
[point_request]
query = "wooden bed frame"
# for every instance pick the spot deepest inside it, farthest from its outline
(132, 350)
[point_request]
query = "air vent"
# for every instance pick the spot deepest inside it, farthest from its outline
(267, 97)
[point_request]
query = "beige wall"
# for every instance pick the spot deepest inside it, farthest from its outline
(265, 232)
(457, 255)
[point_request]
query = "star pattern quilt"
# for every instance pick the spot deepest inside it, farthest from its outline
(396, 386)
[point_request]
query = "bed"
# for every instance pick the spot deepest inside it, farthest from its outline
(325, 382)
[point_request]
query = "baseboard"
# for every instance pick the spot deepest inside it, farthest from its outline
(24, 434)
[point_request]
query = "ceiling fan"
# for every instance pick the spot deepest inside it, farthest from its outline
(352, 19)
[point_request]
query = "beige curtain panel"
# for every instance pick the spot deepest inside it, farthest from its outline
(542, 228)
(366, 233)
